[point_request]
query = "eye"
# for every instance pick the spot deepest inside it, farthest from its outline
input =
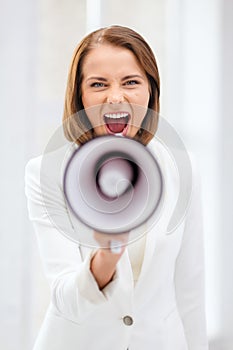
(131, 82)
(97, 85)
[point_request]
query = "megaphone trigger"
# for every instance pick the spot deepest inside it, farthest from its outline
(115, 247)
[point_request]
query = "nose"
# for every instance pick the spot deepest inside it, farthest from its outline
(115, 96)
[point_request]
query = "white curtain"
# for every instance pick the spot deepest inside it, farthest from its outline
(192, 41)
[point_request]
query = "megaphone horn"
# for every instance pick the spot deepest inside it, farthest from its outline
(113, 184)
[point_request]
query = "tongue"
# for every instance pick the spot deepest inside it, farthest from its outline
(116, 125)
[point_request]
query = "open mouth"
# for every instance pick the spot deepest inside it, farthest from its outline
(117, 123)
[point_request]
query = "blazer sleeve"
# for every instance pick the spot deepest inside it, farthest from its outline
(74, 291)
(189, 273)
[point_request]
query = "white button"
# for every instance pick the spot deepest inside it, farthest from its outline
(128, 321)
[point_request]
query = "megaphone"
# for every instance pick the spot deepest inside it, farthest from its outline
(113, 184)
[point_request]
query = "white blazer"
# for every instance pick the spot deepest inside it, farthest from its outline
(163, 311)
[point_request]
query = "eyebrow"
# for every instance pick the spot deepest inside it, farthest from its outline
(125, 78)
(132, 76)
(97, 78)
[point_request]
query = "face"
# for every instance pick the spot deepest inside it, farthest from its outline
(115, 91)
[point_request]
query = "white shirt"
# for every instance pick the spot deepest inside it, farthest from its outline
(136, 255)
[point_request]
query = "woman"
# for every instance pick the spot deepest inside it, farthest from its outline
(150, 294)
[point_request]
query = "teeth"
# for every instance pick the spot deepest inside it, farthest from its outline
(116, 115)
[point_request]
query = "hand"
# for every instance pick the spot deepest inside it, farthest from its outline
(103, 264)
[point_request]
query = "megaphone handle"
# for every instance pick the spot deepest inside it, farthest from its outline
(115, 247)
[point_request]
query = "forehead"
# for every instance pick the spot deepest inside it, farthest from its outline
(110, 59)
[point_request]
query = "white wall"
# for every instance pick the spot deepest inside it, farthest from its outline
(193, 106)
(226, 176)
(192, 42)
(18, 27)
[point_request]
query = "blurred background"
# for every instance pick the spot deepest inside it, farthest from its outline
(193, 43)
